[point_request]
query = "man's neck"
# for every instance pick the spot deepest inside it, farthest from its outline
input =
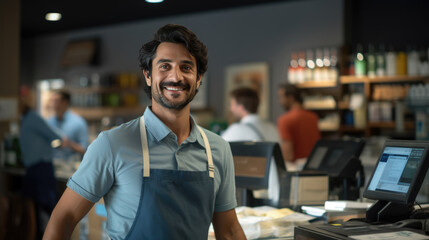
(296, 106)
(177, 120)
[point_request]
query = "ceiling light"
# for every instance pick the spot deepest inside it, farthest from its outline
(154, 1)
(53, 16)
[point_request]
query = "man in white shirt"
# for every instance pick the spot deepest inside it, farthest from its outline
(244, 103)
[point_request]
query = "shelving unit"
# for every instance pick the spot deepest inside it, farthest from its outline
(97, 113)
(339, 90)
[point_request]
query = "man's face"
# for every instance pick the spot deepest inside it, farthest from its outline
(58, 104)
(284, 102)
(174, 76)
(234, 108)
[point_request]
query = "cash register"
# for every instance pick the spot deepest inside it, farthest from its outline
(394, 184)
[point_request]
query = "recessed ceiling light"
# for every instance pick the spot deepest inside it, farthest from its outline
(53, 16)
(154, 1)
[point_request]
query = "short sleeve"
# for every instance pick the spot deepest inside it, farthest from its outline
(226, 198)
(284, 128)
(95, 176)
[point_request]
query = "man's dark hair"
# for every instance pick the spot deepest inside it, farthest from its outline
(174, 34)
(292, 90)
(64, 95)
(247, 97)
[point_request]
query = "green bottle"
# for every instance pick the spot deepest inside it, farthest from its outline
(360, 62)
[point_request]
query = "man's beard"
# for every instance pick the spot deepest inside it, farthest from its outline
(159, 97)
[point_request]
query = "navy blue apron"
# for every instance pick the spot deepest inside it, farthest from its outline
(174, 204)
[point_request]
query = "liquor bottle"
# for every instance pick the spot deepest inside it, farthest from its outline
(401, 63)
(300, 77)
(333, 70)
(326, 64)
(319, 65)
(391, 62)
(309, 70)
(371, 61)
(380, 61)
(360, 62)
(413, 62)
(293, 65)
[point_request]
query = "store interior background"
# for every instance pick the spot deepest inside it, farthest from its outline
(266, 32)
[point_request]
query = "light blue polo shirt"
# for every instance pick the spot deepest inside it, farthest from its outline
(75, 128)
(112, 168)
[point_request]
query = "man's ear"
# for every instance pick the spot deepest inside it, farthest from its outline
(199, 80)
(147, 77)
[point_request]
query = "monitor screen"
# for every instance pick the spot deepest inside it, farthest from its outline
(399, 172)
(252, 161)
(332, 156)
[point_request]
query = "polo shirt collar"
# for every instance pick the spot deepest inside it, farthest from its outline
(160, 131)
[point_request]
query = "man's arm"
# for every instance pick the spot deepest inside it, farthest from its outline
(226, 226)
(287, 150)
(69, 211)
(74, 146)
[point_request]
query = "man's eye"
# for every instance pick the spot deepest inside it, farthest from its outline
(187, 68)
(164, 66)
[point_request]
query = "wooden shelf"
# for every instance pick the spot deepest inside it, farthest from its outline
(407, 125)
(351, 129)
(118, 90)
(313, 84)
(97, 113)
(387, 79)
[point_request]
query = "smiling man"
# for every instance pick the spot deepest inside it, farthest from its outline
(161, 175)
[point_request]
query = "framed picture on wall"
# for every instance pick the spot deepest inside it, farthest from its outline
(200, 100)
(253, 75)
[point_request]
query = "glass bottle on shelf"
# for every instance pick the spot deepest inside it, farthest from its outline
(319, 65)
(413, 61)
(360, 62)
(309, 70)
(326, 64)
(391, 62)
(293, 65)
(300, 73)
(380, 61)
(333, 70)
(371, 61)
(401, 63)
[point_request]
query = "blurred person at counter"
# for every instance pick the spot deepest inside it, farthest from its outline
(71, 126)
(244, 104)
(161, 175)
(298, 128)
(37, 140)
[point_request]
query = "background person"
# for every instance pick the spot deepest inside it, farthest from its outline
(244, 103)
(298, 128)
(72, 127)
(37, 140)
(161, 171)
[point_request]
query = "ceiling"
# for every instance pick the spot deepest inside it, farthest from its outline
(79, 14)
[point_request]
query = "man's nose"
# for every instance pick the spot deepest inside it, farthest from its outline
(177, 74)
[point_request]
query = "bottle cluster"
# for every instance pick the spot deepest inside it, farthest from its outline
(377, 61)
(319, 65)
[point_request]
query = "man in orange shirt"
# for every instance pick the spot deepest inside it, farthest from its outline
(298, 128)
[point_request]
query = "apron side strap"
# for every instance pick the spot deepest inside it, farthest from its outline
(145, 148)
(209, 153)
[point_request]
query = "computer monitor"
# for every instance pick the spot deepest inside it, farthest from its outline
(333, 156)
(252, 161)
(339, 159)
(397, 178)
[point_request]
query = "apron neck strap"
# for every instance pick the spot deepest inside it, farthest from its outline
(145, 149)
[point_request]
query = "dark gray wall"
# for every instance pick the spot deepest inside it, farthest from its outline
(264, 33)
